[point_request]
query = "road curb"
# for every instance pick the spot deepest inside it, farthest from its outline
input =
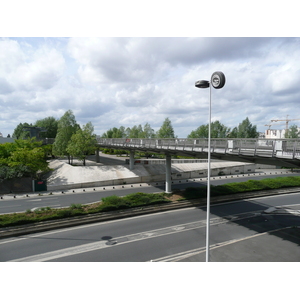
(102, 217)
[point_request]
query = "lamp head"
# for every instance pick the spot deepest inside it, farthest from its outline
(202, 84)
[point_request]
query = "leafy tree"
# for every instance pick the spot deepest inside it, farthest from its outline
(67, 126)
(22, 158)
(5, 151)
(83, 142)
(293, 132)
(50, 124)
(20, 133)
(200, 132)
(148, 132)
(28, 143)
(218, 130)
(33, 159)
(136, 132)
(244, 130)
(18, 171)
(114, 133)
(166, 130)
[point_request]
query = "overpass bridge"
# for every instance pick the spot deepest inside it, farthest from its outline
(278, 152)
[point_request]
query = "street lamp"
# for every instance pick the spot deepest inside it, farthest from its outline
(217, 81)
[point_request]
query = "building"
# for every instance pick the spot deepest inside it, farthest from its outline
(275, 134)
(4, 140)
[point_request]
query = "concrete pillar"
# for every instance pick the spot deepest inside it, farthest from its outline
(97, 156)
(131, 160)
(168, 174)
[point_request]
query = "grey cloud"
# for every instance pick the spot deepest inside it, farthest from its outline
(131, 81)
(5, 87)
(143, 59)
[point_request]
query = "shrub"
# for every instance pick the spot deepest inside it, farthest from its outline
(76, 206)
(138, 199)
(64, 212)
(111, 199)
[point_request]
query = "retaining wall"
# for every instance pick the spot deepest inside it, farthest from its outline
(241, 169)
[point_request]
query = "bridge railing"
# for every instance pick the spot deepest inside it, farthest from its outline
(250, 147)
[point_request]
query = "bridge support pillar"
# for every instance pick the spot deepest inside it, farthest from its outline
(168, 174)
(131, 160)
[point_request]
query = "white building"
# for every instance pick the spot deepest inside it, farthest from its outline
(275, 133)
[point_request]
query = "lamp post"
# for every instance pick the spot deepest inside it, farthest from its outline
(217, 81)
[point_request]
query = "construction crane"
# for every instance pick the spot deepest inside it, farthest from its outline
(268, 125)
(286, 122)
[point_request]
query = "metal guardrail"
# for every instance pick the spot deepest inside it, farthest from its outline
(287, 148)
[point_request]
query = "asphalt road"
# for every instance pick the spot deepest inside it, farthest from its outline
(21, 203)
(169, 236)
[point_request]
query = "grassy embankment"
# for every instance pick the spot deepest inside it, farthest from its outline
(141, 199)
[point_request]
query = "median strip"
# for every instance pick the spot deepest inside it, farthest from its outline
(114, 207)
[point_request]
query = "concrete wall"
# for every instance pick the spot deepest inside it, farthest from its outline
(4, 140)
(16, 185)
(241, 169)
(95, 184)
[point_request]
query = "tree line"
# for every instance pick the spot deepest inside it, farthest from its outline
(67, 126)
(218, 130)
(28, 157)
(141, 132)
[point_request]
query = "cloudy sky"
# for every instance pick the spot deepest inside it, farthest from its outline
(127, 81)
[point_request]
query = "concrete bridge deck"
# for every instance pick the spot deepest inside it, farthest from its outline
(278, 152)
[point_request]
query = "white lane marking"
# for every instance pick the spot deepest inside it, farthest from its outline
(34, 200)
(78, 227)
(118, 241)
(41, 199)
(182, 255)
(63, 252)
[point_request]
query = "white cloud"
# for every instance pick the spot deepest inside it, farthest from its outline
(117, 82)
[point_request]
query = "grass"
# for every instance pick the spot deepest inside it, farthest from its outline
(107, 204)
(114, 202)
(242, 187)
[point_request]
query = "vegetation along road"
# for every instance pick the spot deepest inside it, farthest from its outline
(59, 199)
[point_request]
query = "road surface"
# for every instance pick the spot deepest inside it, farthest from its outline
(21, 203)
(167, 236)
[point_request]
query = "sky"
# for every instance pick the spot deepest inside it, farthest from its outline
(129, 78)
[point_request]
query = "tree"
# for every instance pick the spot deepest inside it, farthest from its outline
(33, 159)
(136, 132)
(20, 133)
(114, 133)
(218, 130)
(83, 142)
(67, 126)
(244, 130)
(201, 132)
(50, 124)
(148, 132)
(293, 132)
(166, 130)
(22, 158)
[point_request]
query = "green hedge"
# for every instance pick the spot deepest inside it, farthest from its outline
(242, 187)
(109, 203)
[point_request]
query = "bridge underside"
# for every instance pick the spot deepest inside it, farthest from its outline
(284, 153)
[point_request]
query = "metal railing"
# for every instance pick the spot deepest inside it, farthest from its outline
(280, 148)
